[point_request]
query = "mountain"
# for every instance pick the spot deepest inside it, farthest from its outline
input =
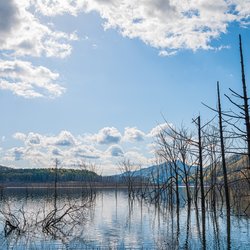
(236, 166)
(156, 173)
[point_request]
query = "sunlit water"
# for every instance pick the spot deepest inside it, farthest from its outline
(110, 221)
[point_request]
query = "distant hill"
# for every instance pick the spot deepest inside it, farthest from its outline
(158, 173)
(236, 165)
(44, 175)
(3, 168)
(155, 173)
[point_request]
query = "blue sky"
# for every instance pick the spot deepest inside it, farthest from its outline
(88, 80)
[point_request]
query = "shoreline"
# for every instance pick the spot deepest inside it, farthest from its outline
(72, 186)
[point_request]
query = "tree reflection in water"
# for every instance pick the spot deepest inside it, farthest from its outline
(109, 219)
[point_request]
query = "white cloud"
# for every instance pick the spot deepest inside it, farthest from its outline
(137, 158)
(9, 14)
(167, 53)
(22, 32)
(59, 7)
(38, 157)
(86, 152)
(15, 154)
(107, 135)
(115, 151)
(29, 81)
(158, 129)
(242, 7)
(102, 148)
(55, 151)
(170, 25)
(33, 139)
(19, 136)
(133, 134)
(64, 139)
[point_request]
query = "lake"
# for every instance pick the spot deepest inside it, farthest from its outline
(107, 219)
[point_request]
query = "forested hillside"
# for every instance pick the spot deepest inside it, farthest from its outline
(44, 175)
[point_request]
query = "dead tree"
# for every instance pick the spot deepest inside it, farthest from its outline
(243, 107)
(55, 183)
(168, 151)
(197, 121)
(203, 211)
(185, 159)
(223, 159)
(128, 169)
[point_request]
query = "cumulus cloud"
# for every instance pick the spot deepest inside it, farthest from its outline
(43, 149)
(22, 33)
(241, 7)
(168, 25)
(115, 151)
(105, 148)
(137, 158)
(15, 154)
(107, 135)
(29, 81)
(64, 139)
(55, 151)
(133, 134)
(33, 139)
(10, 17)
(55, 7)
(158, 129)
(19, 136)
(39, 150)
(87, 152)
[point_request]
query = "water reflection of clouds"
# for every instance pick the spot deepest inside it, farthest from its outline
(113, 221)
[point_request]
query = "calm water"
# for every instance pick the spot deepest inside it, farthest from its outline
(108, 220)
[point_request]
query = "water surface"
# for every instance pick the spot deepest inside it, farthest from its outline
(109, 220)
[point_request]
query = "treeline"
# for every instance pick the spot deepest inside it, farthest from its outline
(43, 175)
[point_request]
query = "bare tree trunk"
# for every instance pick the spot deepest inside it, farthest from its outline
(203, 212)
(177, 196)
(246, 106)
(224, 168)
(55, 184)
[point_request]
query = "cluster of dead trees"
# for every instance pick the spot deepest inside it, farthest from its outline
(55, 217)
(212, 162)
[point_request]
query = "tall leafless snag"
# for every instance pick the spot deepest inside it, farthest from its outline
(246, 106)
(55, 183)
(185, 160)
(167, 141)
(224, 167)
(212, 144)
(203, 211)
(243, 107)
(128, 169)
(91, 180)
